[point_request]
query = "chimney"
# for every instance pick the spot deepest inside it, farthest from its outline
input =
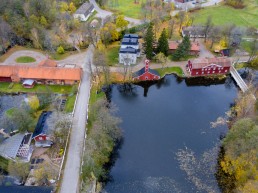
(147, 65)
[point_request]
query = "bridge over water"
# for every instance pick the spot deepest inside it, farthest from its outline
(240, 82)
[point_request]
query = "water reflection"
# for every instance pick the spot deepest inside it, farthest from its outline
(159, 119)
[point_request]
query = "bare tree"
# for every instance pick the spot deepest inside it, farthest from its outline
(207, 27)
(171, 26)
(181, 17)
(214, 35)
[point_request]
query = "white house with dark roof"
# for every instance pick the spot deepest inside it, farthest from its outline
(84, 12)
(129, 50)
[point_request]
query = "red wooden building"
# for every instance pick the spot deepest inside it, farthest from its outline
(209, 66)
(41, 133)
(146, 73)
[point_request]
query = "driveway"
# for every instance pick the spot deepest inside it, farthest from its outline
(11, 59)
(103, 13)
(203, 50)
(70, 180)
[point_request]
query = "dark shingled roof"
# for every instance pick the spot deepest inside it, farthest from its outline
(131, 36)
(129, 41)
(42, 127)
(128, 50)
(142, 71)
(26, 189)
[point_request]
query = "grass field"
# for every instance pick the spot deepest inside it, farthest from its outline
(25, 59)
(222, 15)
(113, 54)
(170, 70)
(70, 103)
(126, 7)
(6, 87)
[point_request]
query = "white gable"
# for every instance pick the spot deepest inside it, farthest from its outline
(212, 66)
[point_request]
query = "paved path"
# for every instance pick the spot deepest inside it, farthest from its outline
(70, 181)
(103, 13)
(11, 59)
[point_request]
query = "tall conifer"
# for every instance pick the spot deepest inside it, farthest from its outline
(148, 44)
(163, 43)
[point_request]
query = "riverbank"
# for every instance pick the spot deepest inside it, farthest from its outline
(103, 136)
(238, 160)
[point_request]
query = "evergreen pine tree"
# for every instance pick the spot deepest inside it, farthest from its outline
(163, 43)
(182, 49)
(149, 42)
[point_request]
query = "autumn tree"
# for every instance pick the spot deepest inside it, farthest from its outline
(45, 172)
(181, 18)
(207, 27)
(121, 23)
(160, 57)
(19, 119)
(19, 169)
(34, 102)
(163, 43)
(148, 44)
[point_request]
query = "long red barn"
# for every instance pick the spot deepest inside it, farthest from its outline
(209, 66)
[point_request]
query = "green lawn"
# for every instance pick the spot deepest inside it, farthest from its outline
(170, 70)
(25, 59)
(126, 7)
(113, 54)
(70, 104)
(222, 15)
(6, 87)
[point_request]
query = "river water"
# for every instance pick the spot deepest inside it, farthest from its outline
(160, 121)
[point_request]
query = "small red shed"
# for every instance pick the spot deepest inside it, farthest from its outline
(209, 66)
(146, 73)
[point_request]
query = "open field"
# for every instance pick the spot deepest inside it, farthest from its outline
(222, 15)
(126, 7)
(25, 59)
(7, 87)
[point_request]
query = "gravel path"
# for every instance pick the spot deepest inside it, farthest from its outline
(36, 55)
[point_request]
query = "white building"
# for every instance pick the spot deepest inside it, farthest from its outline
(129, 50)
(84, 12)
(127, 56)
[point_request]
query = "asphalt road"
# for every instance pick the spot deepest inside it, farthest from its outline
(70, 181)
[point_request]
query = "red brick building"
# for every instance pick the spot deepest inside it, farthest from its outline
(146, 73)
(209, 66)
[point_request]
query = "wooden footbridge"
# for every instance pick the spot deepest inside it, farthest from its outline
(240, 82)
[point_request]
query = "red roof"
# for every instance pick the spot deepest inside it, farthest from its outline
(194, 46)
(204, 62)
(48, 63)
(47, 73)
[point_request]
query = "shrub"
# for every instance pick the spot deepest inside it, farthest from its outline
(238, 4)
(60, 50)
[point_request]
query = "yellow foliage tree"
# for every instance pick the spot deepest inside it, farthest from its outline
(34, 102)
(63, 6)
(72, 7)
(223, 43)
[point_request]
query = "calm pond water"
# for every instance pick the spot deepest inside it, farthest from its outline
(159, 121)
